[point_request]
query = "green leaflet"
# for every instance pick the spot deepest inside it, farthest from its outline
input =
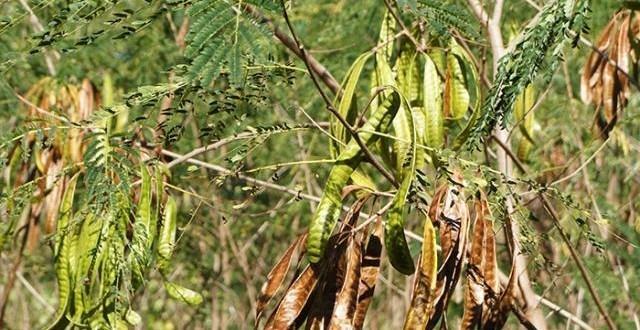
(183, 294)
(434, 132)
(63, 252)
(347, 108)
(328, 210)
(167, 237)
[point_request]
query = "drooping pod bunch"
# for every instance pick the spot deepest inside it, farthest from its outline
(107, 235)
(53, 146)
(605, 81)
(414, 97)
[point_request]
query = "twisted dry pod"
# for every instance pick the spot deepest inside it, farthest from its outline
(605, 77)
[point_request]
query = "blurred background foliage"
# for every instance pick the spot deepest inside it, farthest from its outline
(231, 232)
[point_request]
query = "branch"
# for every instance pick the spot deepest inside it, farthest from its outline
(497, 11)
(314, 65)
(49, 56)
(419, 46)
(367, 217)
(492, 25)
(574, 254)
(331, 108)
(479, 11)
(270, 185)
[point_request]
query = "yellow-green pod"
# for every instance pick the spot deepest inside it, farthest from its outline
(456, 96)
(143, 233)
(183, 294)
(63, 252)
(347, 107)
(524, 115)
(167, 238)
(434, 121)
(394, 239)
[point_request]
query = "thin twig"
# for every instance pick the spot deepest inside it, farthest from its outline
(329, 105)
(572, 251)
(315, 66)
(419, 46)
(8, 286)
(35, 292)
(297, 193)
(49, 56)
(585, 163)
(578, 260)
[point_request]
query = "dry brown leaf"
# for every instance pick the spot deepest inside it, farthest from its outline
(294, 301)
(441, 195)
(490, 264)
(334, 271)
(603, 83)
(54, 185)
(277, 275)
(499, 309)
(347, 297)
(474, 292)
(425, 281)
(452, 221)
(33, 229)
(498, 314)
(368, 274)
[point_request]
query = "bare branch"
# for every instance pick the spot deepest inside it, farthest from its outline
(316, 67)
(329, 105)
(49, 56)
(574, 254)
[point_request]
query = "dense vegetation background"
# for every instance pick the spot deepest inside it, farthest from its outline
(105, 97)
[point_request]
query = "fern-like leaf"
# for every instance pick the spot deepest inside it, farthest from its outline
(223, 37)
(537, 51)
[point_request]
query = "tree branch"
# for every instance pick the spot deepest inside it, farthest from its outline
(367, 217)
(315, 66)
(49, 56)
(329, 105)
(574, 254)
(492, 25)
